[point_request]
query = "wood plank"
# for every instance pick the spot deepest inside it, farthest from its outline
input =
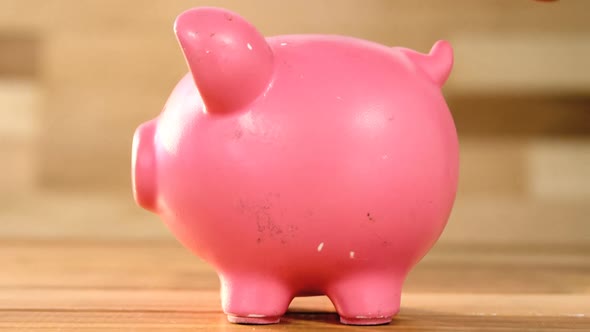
(525, 116)
(19, 130)
(77, 215)
(19, 55)
(501, 49)
(492, 167)
(112, 64)
(559, 169)
(495, 15)
(476, 219)
(486, 62)
(106, 265)
(493, 134)
(486, 219)
(101, 285)
(27, 15)
(208, 301)
(86, 137)
(180, 310)
(89, 44)
(511, 64)
(411, 321)
(21, 102)
(18, 169)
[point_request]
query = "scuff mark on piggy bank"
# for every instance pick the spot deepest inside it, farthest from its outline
(301, 165)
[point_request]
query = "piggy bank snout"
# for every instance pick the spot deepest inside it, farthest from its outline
(143, 166)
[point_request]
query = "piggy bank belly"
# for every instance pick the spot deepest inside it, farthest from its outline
(316, 186)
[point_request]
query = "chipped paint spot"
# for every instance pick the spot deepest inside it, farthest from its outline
(283, 44)
(320, 246)
(246, 122)
(249, 47)
(351, 255)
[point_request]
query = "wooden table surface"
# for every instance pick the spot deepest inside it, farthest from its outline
(102, 285)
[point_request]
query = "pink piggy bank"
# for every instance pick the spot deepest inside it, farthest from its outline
(301, 165)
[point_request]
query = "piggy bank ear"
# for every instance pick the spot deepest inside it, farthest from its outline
(230, 61)
(437, 64)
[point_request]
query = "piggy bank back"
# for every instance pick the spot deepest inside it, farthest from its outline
(301, 165)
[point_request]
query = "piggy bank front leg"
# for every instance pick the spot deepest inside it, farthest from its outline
(366, 299)
(254, 299)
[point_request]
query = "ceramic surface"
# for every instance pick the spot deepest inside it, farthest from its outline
(301, 165)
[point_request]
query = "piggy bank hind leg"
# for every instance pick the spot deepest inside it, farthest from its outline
(254, 299)
(368, 299)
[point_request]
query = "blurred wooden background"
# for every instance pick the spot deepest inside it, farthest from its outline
(77, 77)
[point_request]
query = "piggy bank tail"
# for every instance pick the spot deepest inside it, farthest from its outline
(437, 64)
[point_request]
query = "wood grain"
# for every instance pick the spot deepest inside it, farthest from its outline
(106, 264)
(100, 286)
